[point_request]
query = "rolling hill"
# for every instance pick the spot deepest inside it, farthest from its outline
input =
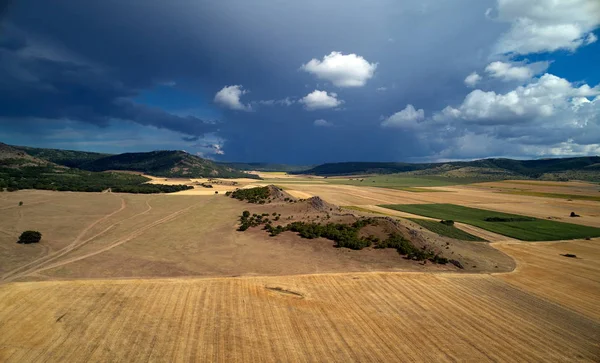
(69, 158)
(11, 157)
(548, 169)
(265, 166)
(165, 163)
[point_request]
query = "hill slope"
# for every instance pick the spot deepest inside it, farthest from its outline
(265, 166)
(165, 163)
(582, 167)
(14, 158)
(70, 158)
(19, 170)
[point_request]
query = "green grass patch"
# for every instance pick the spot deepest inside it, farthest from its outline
(553, 195)
(526, 228)
(402, 182)
(445, 230)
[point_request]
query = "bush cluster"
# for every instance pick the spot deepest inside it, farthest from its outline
(258, 195)
(406, 248)
(28, 237)
(344, 236)
(49, 178)
(254, 220)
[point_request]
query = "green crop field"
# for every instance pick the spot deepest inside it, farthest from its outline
(401, 182)
(526, 229)
(553, 195)
(445, 230)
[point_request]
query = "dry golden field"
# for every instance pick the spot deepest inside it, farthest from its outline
(106, 235)
(476, 196)
(368, 317)
(166, 278)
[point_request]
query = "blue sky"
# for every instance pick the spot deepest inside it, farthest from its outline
(304, 82)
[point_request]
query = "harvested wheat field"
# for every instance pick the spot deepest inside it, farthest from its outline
(542, 269)
(108, 235)
(351, 317)
(167, 278)
(466, 195)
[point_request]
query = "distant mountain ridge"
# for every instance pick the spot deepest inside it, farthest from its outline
(69, 158)
(265, 166)
(164, 163)
(16, 158)
(587, 167)
(167, 163)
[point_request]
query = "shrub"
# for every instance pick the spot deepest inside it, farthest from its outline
(448, 222)
(20, 204)
(257, 195)
(28, 237)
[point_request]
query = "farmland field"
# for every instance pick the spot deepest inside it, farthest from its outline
(516, 226)
(141, 278)
(366, 317)
(554, 195)
(394, 181)
(445, 230)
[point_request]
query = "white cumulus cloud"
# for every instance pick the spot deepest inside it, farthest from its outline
(547, 25)
(472, 79)
(515, 72)
(319, 100)
(407, 118)
(348, 70)
(229, 97)
(541, 98)
(323, 123)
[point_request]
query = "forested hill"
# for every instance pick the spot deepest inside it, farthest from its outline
(70, 158)
(353, 168)
(167, 163)
(265, 166)
(568, 167)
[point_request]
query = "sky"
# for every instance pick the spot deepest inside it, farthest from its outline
(304, 82)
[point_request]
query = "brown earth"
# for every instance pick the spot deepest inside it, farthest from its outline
(545, 310)
(101, 235)
(543, 270)
(355, 317)
(466, 195)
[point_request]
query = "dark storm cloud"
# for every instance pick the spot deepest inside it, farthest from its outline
(90, 60)
(38, 85)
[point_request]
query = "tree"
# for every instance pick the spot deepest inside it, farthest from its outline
(20, 204)
(30, 237)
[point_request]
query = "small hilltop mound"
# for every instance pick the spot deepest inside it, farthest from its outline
(279, 195)
(322, 206)
(262, 195)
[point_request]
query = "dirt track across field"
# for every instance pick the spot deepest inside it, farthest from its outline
(333, 305)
